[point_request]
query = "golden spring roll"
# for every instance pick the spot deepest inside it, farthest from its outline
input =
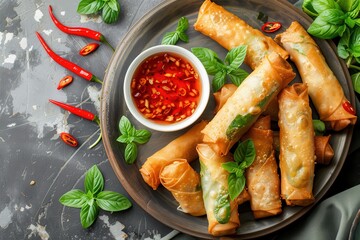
(247, 103)
(262, 178)
(244, 196)
(324, 88)
(221, 212)
(297, 148)
(230, 31)
(183, 147)
(184, 184)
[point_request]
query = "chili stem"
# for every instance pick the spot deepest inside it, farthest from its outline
(96, 142)
(103, 40)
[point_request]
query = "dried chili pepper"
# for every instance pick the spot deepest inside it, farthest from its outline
(271, 27)
(64, 82)
(89, 48)
(69, 139)
(348, 107)
(79, 31)
(67, 64)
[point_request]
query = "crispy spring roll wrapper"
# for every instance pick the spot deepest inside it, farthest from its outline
(244, 196)
(228, 89)
(247, 103)
(183, 147)
(262, 178)
(184, 184)
(297, 148)
(325, 90)
(323, 150)
(221, 212)
(230, 31)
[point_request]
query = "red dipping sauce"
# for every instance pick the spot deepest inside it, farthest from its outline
(166, 88)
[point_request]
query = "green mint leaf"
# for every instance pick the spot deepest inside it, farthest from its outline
(245, 153)
(308, 8)
(125, 126)
(230, 166)
(112, 201)
(88, 214)
(237, 76)
(183, 37)
(343, 45)
(110, 16)
(236, 185)
(218, 80)
(323, 5)
(74, 198)
(131, 152)
(356, 81)
(113, 4)
(235, 57)
(183, 24)
(354, 42)
(142, 136)
(89, 6)
(94, 181)
(222, 208)
(170, 38)
(319, 127)
(209, 59)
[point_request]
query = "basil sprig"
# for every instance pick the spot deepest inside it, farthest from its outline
(94, 198)
(131, 137)
(110, 9)
(244, 156)
(219, 69)
(340, 20)
(171, 38)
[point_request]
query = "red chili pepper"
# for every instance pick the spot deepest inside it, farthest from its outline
(77, 111)
(79, 31)
(348, 107)
(67, 64)
(64, 82)
(270, 27)
(89, 48)
(69, 139)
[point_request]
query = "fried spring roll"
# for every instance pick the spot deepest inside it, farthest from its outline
(230, 31)
(297, 148)
(325, 90)
(184, 184)
(222, 213)
(183, 147)
(247, 103)
(262, 178)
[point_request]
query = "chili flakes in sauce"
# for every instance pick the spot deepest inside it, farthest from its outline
(166, 88)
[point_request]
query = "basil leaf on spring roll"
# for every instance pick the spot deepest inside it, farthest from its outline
(221, 212)
(247, 103)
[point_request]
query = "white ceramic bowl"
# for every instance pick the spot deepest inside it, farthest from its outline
(204, 93)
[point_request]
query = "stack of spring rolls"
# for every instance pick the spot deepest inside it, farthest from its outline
(245, 112)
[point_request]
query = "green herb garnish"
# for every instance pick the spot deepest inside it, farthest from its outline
(110, 9)
(171, 38)
(219, 69)
(244, 156)
(131, 137)
(94, 198)
(319, 127)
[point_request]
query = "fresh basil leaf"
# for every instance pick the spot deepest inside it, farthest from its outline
(235, 57)
(112, 201)
(131, 152)
(333, 16)
(110, 16)
(113, 4)
(321, 29)
(349, 5)
(88, 214)
(237, 76)
(354, 42)
(239, 122)
(222, 208)
(183, 24)
(262, 17)
(218, 80)
(170, 38)
(236, 185)
(74, 198)
(308, 8)
(94, 181)
(89, 6)
(123, 139)
(323, 5)
(350, 22)
(183, 37)
(356, 82)
(229, 166)
(209, 59)
(125, 126)
(142, 136)
(319, 127)
(343, 45)
(245, 152)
